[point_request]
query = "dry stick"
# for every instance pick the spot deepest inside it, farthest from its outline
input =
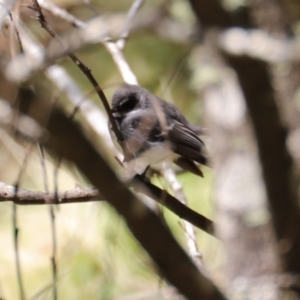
(55, 179)
(15, 225)
(121, 63)
(137, 4)
(17, 33)
(87, 72)
(188, 227)
(174, 205)
(53, 227)
(16, 245)
(26, 197)
(115, 48)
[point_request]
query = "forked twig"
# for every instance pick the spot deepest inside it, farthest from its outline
(136, 5)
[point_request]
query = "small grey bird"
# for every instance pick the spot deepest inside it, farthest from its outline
(154, 130)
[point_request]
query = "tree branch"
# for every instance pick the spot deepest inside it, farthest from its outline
(25, 197)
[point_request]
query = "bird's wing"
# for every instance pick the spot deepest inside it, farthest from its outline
(186, 143)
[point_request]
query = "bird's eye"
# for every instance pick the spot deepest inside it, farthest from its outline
(128, 104)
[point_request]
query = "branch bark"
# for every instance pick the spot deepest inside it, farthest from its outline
(26, 197)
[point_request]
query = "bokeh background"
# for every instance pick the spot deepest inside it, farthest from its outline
(231, 66)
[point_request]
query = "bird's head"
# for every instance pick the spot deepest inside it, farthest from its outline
(127, 99)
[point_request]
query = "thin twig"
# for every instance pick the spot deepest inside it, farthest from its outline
(87, 72)
(17, 33)
(137, 4)
(41, 18)
(16, 245)
(26, 197)
(15, 225)
(119, 59)
(173, 204)
(53, 227)
(189, 231)
(115, 48)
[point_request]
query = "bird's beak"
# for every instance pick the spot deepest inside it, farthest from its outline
(117, 115)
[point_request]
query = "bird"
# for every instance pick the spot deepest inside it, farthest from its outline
(153, 131)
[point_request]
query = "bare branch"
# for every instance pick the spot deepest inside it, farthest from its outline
(17, 253)
(52, 220)
(121, 63)
(136, 5)
(174, 205)
(188, 227)
(25, 197)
